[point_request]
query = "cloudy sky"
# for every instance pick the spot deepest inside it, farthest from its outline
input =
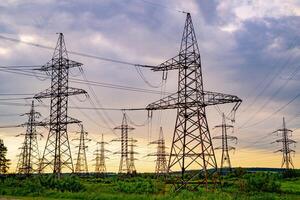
(249, 48)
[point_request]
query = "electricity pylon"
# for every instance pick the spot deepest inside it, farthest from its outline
(57, 154)
(161, 154)
(131, 165)
(29, 158)
(286, 149)
(225, 159)
(192, 147)
(100, 166)
(81, 162)
(125, 128)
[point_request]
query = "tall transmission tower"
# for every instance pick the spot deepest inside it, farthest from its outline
(161, 166)
(192, 147)
(225, 159)
(81, 162)
(125, 128)
(131, 159)
(29, 158)
(286, 149)
(100, 166)
(57, 154)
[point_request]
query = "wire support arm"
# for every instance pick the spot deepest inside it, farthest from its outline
(209, 98)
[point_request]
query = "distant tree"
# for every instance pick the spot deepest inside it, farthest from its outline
(4, 163)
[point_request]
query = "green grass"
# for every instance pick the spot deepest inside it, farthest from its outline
(145, 188)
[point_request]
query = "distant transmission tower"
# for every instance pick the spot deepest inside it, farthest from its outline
(81, 162)
(225, 159)
(100, 166)
(161, 166)
(131, 165)
(192, 148)
(57, 154)
(125, 128)
(29, 158)
(286, 149)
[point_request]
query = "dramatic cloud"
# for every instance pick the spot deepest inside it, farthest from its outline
(248, 48)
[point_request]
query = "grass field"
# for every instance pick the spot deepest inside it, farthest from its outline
(254, 186)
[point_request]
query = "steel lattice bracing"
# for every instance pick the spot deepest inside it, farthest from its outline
(161, 165)
(29, 158)
(192, 147)
(81, 161)
(124, 161)
(57, 153)
(225, 159)
(286, 150)
(131, 158)
(100, 166)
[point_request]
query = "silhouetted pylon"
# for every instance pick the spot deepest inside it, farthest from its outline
(192, 149)
(161, 166)
(225, 159)
(125, 128)
(57, 154)
(131, 159)
(286, 149)
(81, 163)
(29, 158)
(100, 166)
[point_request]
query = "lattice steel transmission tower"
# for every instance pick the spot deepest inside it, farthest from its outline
(286, 149)
(131, 159)
(225, 159)
(100, 166)
(57, 154)
(192, 147)
(161, 166)
(29, 158)
(125, 128)
(81, 161)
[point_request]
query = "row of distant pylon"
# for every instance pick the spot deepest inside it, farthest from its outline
(30, 161)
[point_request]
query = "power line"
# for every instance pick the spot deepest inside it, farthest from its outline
(73, 52)
(163, 6)
(275, 112)
(292, 75)
(80, 81)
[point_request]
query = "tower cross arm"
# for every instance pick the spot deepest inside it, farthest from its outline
(49, 94)
(205, 99)
(55, 61)
(171, 64)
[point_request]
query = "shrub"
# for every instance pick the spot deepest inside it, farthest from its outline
(265, 182)
(291, 173)
(139, 186)
(66, 183)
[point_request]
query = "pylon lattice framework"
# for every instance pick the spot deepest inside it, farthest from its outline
(81, 161)
(29, 158)
(124, 161)
(161, 154)
(57, 153)
(286, 149)
(191, 146)
(225, 159)
(100, 166)
(131, 159)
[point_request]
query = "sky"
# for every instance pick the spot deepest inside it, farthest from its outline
(249, 48)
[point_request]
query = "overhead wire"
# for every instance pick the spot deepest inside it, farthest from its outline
(293, 74)
(80, 81)
(279, 71)
(74, 52)
(272, 114)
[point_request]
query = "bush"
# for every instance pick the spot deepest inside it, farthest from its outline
(264, 182)
(139, 186)
(291, 173)
(66, 183)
